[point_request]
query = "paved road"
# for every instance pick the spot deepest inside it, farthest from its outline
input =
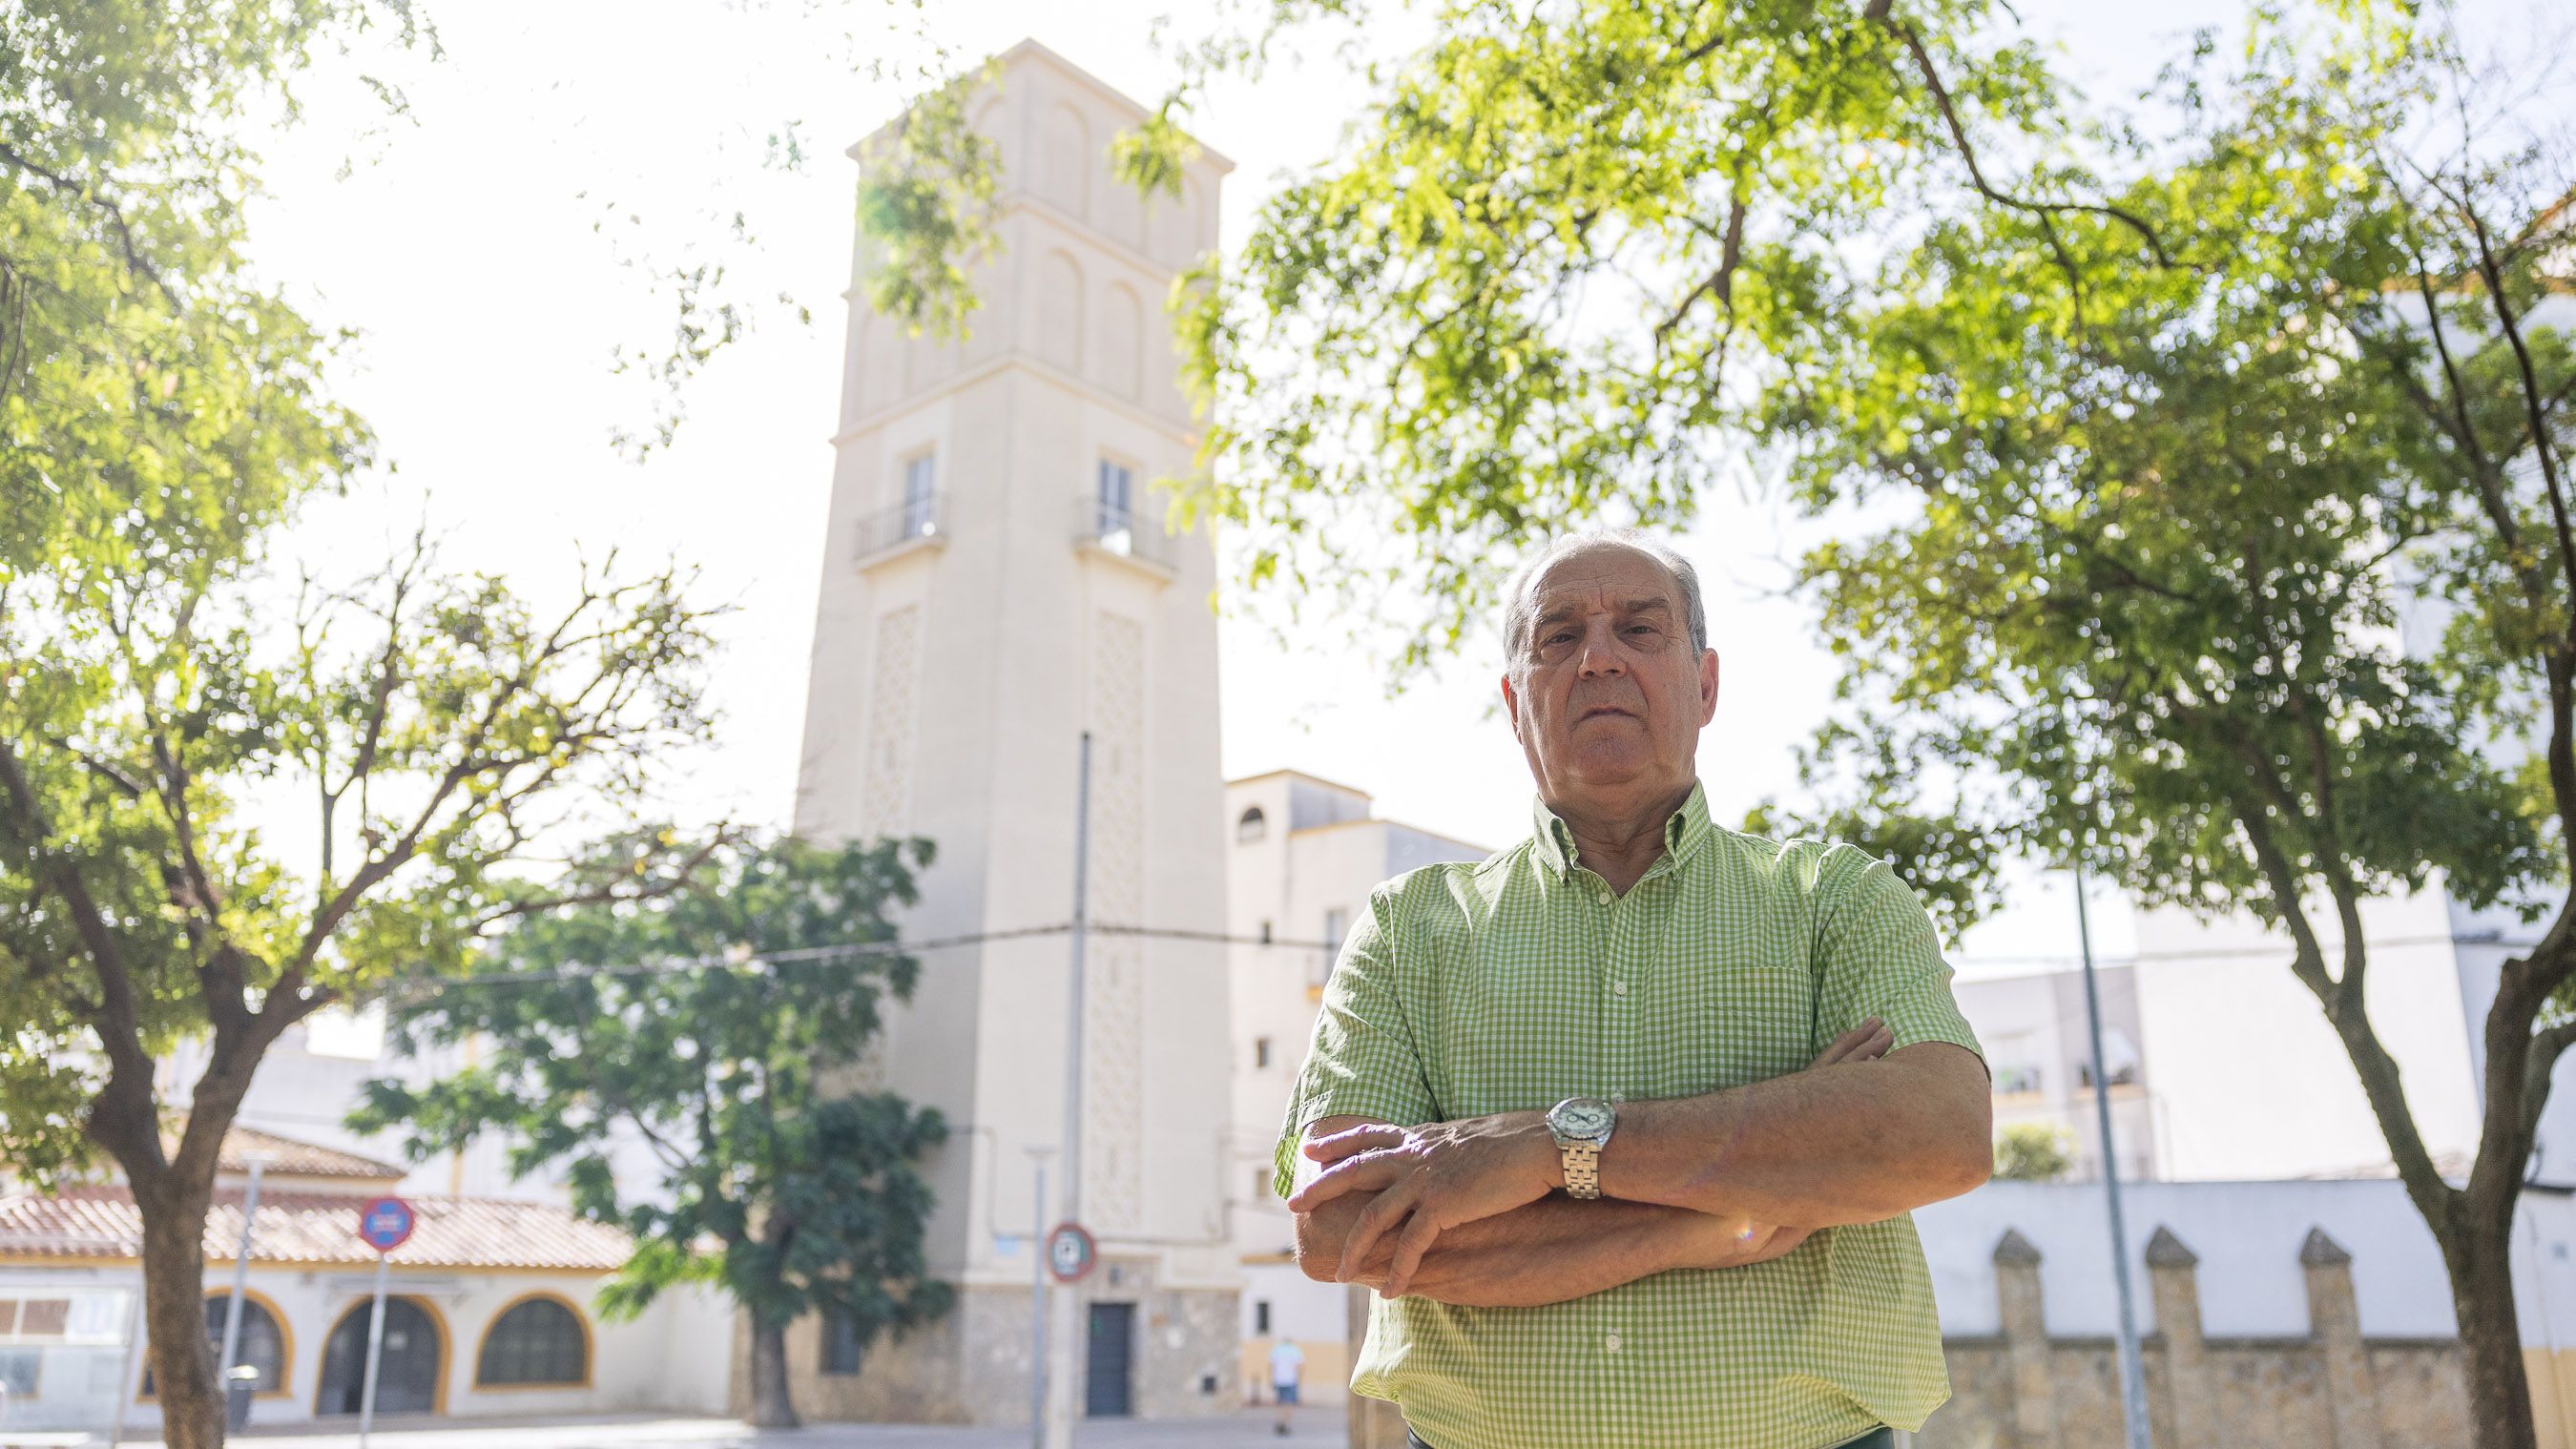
(1244, 1430)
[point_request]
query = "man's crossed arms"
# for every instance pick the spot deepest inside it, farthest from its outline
(1468, 1212)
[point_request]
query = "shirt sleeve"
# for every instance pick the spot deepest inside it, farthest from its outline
(1362, 1061)
(1881, 957)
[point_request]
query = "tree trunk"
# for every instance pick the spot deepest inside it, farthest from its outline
(771, 1408)
(174, 1314)
(2490, 1340)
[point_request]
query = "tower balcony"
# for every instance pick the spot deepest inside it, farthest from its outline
(914, 525)
(1122, 534)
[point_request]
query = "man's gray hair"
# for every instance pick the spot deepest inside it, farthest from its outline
(1520, 607)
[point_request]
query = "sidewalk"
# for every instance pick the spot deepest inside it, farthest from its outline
(1244, 1429)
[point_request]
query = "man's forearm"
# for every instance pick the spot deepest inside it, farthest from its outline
(1851, 1143)
(1549, 1251)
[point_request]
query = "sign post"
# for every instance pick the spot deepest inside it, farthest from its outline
(385, 1223)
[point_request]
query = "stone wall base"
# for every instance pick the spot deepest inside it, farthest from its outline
(972, 1367)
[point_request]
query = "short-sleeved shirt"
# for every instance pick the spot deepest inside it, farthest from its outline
(1286, 1360)
(1512, 984)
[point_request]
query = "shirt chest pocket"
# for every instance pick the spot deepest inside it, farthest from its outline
(1741, 1018)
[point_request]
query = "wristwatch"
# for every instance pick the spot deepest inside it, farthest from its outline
(1582, 1127)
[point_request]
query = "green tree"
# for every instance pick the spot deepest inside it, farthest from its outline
(737, 1073)
(2031, 1152)
(440, 725)
(152, 398)
(2242, 573)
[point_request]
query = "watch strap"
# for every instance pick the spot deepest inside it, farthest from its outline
(1582, 1168)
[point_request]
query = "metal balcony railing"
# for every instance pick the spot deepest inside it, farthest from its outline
(1124, 532)
(891, 528)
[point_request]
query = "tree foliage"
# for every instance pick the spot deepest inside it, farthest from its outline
(2240, 572)
(2032, 1152)
(152, 397)
(737, 1074)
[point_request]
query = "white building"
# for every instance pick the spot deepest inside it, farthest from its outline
(488, 1309)
(1304, 856)
(2039, 1048)
(999, 581)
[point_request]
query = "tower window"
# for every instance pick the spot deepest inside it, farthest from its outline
(920, 495)
(1260, 1051)
(1250, 826)
(1117, 498)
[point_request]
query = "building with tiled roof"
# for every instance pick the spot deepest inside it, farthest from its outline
(284, 1161)
(318, 1230)
(488, 1307)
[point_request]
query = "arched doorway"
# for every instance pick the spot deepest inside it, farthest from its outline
(407, 1380)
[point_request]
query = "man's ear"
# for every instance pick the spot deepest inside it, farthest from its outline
(1707, 686)
(1512, 704)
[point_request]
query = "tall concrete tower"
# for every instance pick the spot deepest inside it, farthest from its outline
(998, 579)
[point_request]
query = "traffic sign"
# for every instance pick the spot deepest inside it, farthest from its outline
(385, 1223)
(1070, 1252)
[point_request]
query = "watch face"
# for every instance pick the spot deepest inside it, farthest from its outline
(1581, 1117)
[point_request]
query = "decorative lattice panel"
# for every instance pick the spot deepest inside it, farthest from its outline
(1114, 987)
(886, 809)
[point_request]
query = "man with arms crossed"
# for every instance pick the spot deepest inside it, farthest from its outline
(1624, 1123)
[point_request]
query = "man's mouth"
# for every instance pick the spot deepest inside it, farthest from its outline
(1603, 709)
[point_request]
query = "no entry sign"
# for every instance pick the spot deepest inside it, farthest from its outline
(385, 1223)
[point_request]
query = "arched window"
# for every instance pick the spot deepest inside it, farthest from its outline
(1251, 826)
(534, 1341)
(262, 1345)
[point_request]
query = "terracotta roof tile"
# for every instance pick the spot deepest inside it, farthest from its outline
(320, 1227)
(287, 1157)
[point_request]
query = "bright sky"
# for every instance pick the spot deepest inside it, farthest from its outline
(462, 248)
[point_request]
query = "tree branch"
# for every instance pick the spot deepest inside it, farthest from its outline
(2046, 211)
(115, 217)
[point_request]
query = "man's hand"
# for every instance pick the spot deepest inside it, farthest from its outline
(1442, 1174)
(1431, 1177)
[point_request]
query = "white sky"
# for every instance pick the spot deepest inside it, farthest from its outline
(461, 247)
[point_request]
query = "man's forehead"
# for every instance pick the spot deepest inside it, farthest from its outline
(1617, 578)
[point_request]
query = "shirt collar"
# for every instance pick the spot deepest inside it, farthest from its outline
(1682, 833)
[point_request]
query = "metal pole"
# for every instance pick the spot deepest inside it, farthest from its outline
(126, 1389)
(1038, 1304)
(241, 1280)
(375, 1352)
(1066, 1304)
(2133, 1378)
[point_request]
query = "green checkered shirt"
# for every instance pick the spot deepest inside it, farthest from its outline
(1512, 984)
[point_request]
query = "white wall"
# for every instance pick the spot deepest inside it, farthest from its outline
(2253, 1081)
(677, 1356)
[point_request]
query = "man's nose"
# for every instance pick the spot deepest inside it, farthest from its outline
(1601, 652)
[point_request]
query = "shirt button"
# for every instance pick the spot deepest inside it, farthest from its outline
(1618, 988)
(1604, 897)
(1611, 1343)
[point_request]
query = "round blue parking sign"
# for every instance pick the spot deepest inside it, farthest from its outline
(385, 1223)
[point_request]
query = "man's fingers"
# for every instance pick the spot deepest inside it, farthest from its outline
(1854, 1044)
(1334, 1146)
(1372, 1224)
(1410, 1245)
(1365, 1173)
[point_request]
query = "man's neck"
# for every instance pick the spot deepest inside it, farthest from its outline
(1620, 840)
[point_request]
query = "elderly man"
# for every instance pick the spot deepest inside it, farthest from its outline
(1624, 1123)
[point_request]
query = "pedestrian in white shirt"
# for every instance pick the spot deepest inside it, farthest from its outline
(1287, 1364)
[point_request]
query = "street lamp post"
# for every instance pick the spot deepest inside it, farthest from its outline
(2133, 1378)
